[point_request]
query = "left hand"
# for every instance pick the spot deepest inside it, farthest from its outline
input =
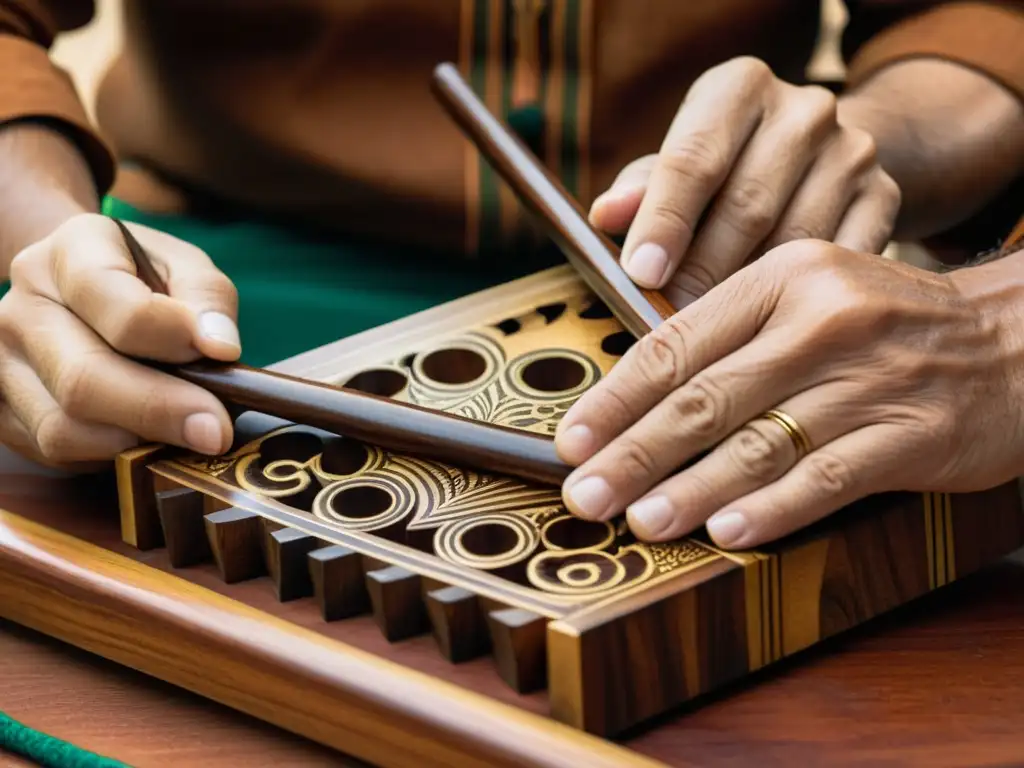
(901, 379)
(749, 162)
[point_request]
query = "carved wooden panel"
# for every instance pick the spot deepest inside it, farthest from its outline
(618, 630)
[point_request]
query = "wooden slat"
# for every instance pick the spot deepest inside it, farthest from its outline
(322, 689)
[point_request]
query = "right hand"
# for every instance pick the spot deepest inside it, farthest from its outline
(76, 314)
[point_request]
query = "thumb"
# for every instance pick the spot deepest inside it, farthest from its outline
(95, 277)
(614, 210)
(194, 282)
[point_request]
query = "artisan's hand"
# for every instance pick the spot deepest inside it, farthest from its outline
(900, 378)
(76, 313)
(750, 162)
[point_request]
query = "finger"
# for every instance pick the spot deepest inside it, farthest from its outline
(858, 464)
(96, 278)
(756, 193)
(687, 422)
(822, 198)
(708, 133)
(33, 424)
(613, 211)
(869, 221)
(682, 346)
(753, 456)
(92, 383)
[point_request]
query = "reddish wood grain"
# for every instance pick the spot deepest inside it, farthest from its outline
(939, 684)
(106, 708)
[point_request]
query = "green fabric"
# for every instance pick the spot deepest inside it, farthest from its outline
(299, 290)
(46, 750)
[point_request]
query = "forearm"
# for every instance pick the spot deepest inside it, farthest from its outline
(44, 181)
(951, 138)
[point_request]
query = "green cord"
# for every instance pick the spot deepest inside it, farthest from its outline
(48, 751)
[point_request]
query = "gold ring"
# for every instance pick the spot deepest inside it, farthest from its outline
(796, 433)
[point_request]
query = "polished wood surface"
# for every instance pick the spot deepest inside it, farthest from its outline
(198, 639)
(397, 426)
(616, 631)
(593, 255)
(940, 683)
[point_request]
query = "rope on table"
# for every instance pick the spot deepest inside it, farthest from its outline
(48, 751)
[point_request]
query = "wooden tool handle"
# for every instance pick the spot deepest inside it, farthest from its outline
(390, 424)
(592, 254)
(1015, 241)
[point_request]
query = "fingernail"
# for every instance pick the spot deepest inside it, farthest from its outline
(202, 433)
(727, 528)
(647, 265)
(649, 517)
(576, 442)
(219, 327)
(592, 496)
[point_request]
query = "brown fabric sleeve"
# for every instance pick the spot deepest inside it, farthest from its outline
(33, 88)
(986, 36)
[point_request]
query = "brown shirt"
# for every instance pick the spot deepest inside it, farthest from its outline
(320, 110)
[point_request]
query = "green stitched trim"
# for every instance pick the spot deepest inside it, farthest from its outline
(570, 97)
(48, 751)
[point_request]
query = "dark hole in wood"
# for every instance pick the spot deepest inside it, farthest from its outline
(384, 382)
(510, 326)
(618, 344)
(361, 501)
(573, 533)
(597, 310)
(297, 446)
(454, 365)
(553, 374)
(343, 456)
(489, 540)
(551, 312)
(407, 360)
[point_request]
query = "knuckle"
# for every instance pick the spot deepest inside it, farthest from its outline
(672, 220)
(694, 278)
(757, 456)
(26, 267)
(860, 149)
(696, 159)
(851, 317)
(217, 290)
(750, 67)
(820, 104)
(75, 387)
(890, 190)
(702, 409)
(635, 461)
(120, 328)
(53, 437)
(830, 473)
(750, 207)
(802, 256)
(157, 412)
(661, 355)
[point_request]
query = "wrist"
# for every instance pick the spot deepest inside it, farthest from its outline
(44, 181)
(995, 291)
(951, 137)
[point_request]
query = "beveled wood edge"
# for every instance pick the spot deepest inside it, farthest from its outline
(490, 305)
(319, 688)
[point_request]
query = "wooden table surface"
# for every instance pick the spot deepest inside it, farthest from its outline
(940, 683)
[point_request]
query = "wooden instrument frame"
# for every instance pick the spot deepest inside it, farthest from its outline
(704, 627)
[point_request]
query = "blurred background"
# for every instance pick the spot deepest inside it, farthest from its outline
(87, 52)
